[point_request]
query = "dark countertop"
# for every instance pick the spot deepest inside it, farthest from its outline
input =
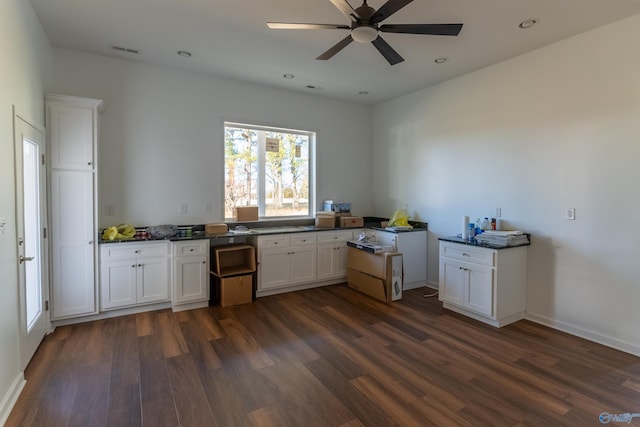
(197, 235)
(267, 227)
(456, 239)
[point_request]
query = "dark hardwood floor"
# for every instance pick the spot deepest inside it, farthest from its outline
(322, 357)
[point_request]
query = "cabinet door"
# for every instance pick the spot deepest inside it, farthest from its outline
(71, 134)
(118, 284)
(452, 282)
(72, 244)
(480, 290)
(326, 261)
(153, 280)
(303, 264)
(190, 279)
(274, 268)
(340, 261)
(332, 261)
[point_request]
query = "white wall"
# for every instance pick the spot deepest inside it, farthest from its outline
(26, 57)
(553, 129)
(162, 136)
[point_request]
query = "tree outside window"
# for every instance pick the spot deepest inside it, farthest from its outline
(268, 168)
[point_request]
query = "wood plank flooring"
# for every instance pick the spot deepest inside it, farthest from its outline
(322, 357)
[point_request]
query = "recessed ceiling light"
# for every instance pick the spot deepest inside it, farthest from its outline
(528, 23)
(288, 76)
(440, 60)
(184, 53)
(363, 92)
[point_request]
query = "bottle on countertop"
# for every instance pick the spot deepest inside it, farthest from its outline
(486, 225)
(472, 231)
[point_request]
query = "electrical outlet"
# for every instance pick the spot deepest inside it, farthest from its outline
(498, 212)
(570, 213)
(208, 207)
(184, 208)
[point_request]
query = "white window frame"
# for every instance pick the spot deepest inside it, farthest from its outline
(312, 135)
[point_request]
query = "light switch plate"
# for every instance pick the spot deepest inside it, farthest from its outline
(570, 214)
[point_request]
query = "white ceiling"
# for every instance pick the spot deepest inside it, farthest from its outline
(229, 38)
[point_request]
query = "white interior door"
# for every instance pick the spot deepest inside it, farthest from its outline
(31, 222)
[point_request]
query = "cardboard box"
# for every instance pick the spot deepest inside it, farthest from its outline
(216, 228)
(236, 290)
(245, 213)
(351, 221)
(325, 220)
(377, 275)
(233, 260)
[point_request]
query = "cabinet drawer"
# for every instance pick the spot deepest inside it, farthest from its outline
(277, 241)
(128, 250)
(198, 247)
(334, 236)
(468, 253)
(303, 239)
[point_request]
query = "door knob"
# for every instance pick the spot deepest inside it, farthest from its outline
(25, 258)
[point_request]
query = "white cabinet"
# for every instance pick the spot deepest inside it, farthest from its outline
(413, 247)
(72, 135)
(133, 274)
(286, 259)
(332, 254)
(483, 283)
(190, 273)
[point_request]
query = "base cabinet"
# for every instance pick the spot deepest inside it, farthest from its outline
(332, 254)
(469, 286)
(285, 260)
(413, 247)
(297, 261)
(190, 272)
(486, 284)
(133, 274)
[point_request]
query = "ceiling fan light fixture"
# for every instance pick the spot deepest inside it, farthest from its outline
(364, 34)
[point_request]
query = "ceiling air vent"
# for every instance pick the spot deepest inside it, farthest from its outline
(126, 50)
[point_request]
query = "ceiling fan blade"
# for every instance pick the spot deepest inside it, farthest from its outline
(388, 9)
(346, 8)
(433, 29)
(336, 48)
(300, 26)
(387, 51)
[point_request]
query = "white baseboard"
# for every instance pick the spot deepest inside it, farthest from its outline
(11, 397)
(621, 345)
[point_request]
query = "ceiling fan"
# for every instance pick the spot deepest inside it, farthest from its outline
(365, 26)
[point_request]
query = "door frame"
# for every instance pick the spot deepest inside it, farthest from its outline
(44, 250)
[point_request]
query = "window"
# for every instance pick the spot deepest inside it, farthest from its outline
(270, 168)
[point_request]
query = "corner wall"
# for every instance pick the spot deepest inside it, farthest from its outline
(26, 58)
(553, 129)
